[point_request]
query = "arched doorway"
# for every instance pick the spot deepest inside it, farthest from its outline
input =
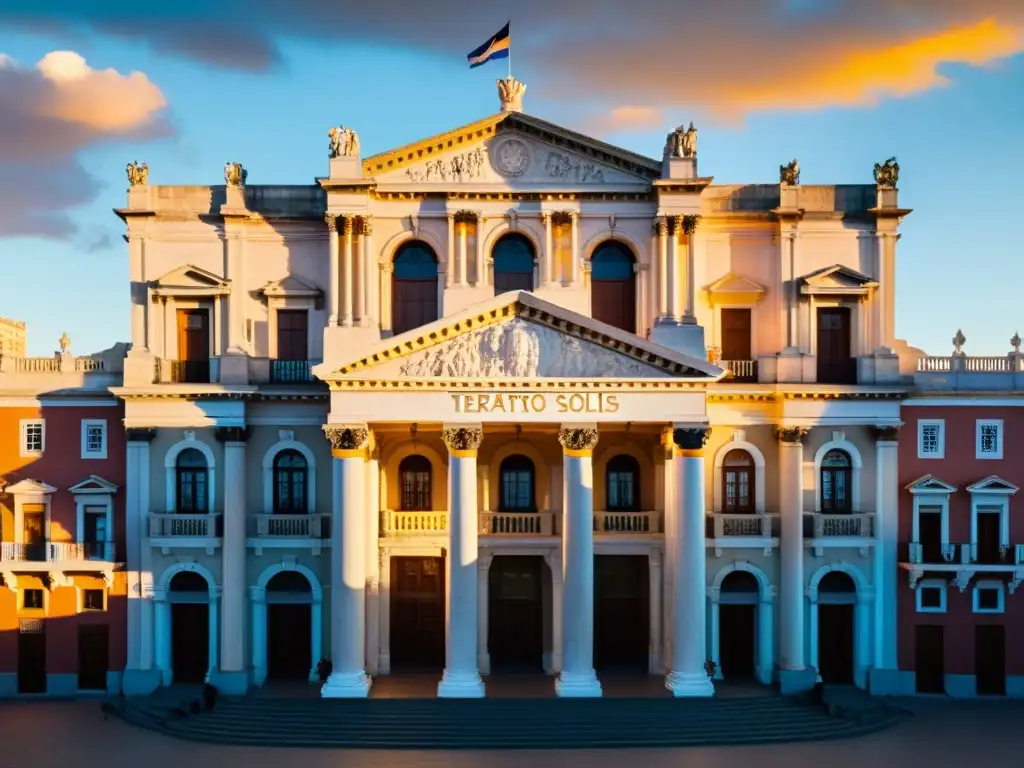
(413, 287)
(621, 613)
(289, 597)
(415, 484)
(837, 599)
(613, 285)
(514, 259)
(738, 599)
(515, 614)
(836, 485)
(189, 596)
(738, 483)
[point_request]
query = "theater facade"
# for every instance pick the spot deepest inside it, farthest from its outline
(510, 398)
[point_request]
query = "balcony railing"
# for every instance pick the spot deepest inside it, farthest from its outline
(291, 372)
(725, 525)
(627, 522)
(184, 526)
(413, 523)
(517, 524)
(955, 555)
(275, 526)
(182, 372)
(58, 552)
(740, 370)
(825, 525)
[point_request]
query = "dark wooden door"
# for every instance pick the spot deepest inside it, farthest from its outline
(414, 303)
(515, 618)
(736, 329)
(93, 657)
(289, 635)
(33, 518)
(32, 656)
(736, 640)
(193, 346)
(835, 364)
(929, 529)
(292, 334)
(835, 643)
(190, 641)
(930, 659)
(990, 659)
(988, 537)
(417, 612)
(614, 302)
(621, 612)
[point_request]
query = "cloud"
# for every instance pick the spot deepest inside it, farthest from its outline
(629, 60)
(49, 114)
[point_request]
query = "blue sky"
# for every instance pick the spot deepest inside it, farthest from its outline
(958, 143)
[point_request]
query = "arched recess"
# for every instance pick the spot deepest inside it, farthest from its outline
(765, 629)
(417, 290)
(608, 451)
(171, 478)
(615, 235)
(259, 618)
(862, 617)
(839, 442)
(173, 570)
(614, 285)
(520, 228)
(739, 443)
(268, 473)
(392, 457)
(514, 263)
(542, 473)
(162, 629)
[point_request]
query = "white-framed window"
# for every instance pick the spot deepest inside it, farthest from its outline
(33, 437)
(33, 599)
(989, 439)
(931, 596)
(989, 597)
(94, 438)
(92, 599)
(931, 439)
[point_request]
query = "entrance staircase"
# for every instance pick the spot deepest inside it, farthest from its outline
(511, 723)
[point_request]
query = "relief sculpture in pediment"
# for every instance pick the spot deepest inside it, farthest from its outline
(461, 167)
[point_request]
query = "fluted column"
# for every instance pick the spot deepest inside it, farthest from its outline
(233, 674)
(886, 565)
(348, 568)
(549, 249)
(793, 672)
(367, 273)
(481, 275)
(461, 674)
(689, 651)
(672, 269)
(449, 276)
(661, 228)
(463, 249)
(347, 272)
(689, 225)
(574, 223)
(334, 288)
(578, 678)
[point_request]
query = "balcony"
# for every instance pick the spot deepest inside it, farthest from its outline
(82, 552)
(394, 523)
(182, 372)
(824, 529)
(742, 531)
(962, 561)
(517, 524)
(292, 372)
(628, 523)
(275, 531)
(740, 371)
(179, 531)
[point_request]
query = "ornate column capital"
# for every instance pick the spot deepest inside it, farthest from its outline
(561, 218)
(139, 435)
(232, 434)
(465, 217)
(578, 441)
(366, 225)
(347, 225)
(331, 220)
(792, 435)
(464, 441)
(886, 433)
(690, 441)
(689, 223)
(661, 226)
(348, 441)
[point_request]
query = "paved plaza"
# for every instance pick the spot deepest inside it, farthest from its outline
(943, 733)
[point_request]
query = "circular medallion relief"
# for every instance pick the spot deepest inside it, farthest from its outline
(511, 157)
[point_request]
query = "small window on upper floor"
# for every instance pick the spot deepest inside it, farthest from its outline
(988, 598)
(33, 437)
(32, 599)
(92, 600)
(931, 598)
(931, 439)
(989, 439)
(94, 438)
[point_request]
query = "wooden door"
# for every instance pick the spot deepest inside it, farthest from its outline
(835, 643)
(736, 330)
(515, 629)
(614, 302)
(990, 659)
(32, 656)
(929, 530)
(835, 364)
(413, 302)
(930, 659)
(289, 636)
(621, 612)
(417, 612)
(93, 657)
(193, 346)
(292, 334)
(33, 517)
(988, 537)
(736, 640)
(190, 643)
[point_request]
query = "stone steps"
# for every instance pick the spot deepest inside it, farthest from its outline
(505, 723)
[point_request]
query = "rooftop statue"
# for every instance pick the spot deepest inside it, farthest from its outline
(511, 92)
(344, 142)
(682, 142)
(790, 173)
(138, 174)
(235, 175)
(887, 174)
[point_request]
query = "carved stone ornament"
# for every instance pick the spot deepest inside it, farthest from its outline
(235, 175)
(889, 433)
(465, 166)
(570, 168)
(346, 438)
(682, 142)
(958, 343)
(661, 226)
(691, 438)
(65, 343)
(139, 435)
(689, 224)
(510, 94)
(791, 434)
(344, 142)
(462, 438)
(332, 222)
(887, 174)
(790, 173)
(465, 217)
(138, 175)
(347, 223)
(511, 157)
(576, 439)
(366, 225)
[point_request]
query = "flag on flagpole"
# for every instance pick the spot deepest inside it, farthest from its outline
(498, 47)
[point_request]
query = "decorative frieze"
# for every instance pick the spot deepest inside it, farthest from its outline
(232, 434)
(577, 440)
(561, 166)
(888, 433)
(793, 435)
(463, 440)
(691, 438)
(139, 435)
(347, 437)
(465, 166)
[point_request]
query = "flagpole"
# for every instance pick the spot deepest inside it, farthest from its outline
(510, 49)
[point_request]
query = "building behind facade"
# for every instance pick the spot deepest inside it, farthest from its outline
(12, 338)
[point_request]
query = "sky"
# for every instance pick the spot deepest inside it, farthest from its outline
(86, 87)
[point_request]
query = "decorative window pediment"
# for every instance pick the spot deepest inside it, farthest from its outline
(836, 280)
(191, 281)
(929, 484)
(290, 287)
(94, 484)
(734, 289)
(993, 484)
(30, 487)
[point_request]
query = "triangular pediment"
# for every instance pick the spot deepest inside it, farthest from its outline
(930, 484)
(29, 487)
(993, 484)
(189, 280)
(836, 279)
(290, 286)
(512, 150)
(94, 484)
(735, 289)
(520, 336)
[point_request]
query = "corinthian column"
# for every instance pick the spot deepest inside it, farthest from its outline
(348, 567)
(334, 287)
(348, 273)
(578, 678)
(672, 269)
(689, 224)
(461, 675)
(661, 229)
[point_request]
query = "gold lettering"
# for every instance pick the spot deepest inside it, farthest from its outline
(472, 403)
(612, 401)
(538, 403)
(483, 403)
(577, 403)
(562, 402)
(499, 403)
(457, 398)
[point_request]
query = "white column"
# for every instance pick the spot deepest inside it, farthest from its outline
(138, 558)
(482, 613)
(578, 678)
(862, 639)
(449, 272)
(661, 227)
(765, 638)
(690, 230)
(643, 310)
(654, 665)
(139, 292)
(883, 300)
(461, 675)
(233, 676)
(669, 518)
(258, 602)
(348, 571)
(234, 339)
(218, 326)
(384, 609)
(316, 640)
(386, 270)
(481, 275)
(714, 634)
(373, 562)
(549, 249)
(214, 634)
(792, 332)
(334, 286)
(793, 672)
(371, 275)
(162, 635)
(574, 268)
(672, 269)
(463, 276)
(689, 676)
(347, 273)
(554, 561)
(886, 537)
(359, 282)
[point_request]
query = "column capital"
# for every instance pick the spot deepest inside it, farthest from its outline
(331, 220)
(348, 441)
(690, 441)
(886, 433)
(139, 435)
(791, 435)
(560, 218)
(463, 441)
(465, 217)
(232, 434)
(661, 226)
(689, 223)
(578, 441)
(366, 225)
(347, 223)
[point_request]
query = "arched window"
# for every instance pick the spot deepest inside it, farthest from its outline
(738, 483)
(623, 484)
(414, 287)
(414, 475)
(613, 286)
(192, 477)
(835, 482)
(513, 264)
(516, 486)
(290, 483)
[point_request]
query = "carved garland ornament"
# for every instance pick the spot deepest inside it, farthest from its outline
(347, 438)
(462, 438)
(691, 438)
(791, 434)
(578, 439)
